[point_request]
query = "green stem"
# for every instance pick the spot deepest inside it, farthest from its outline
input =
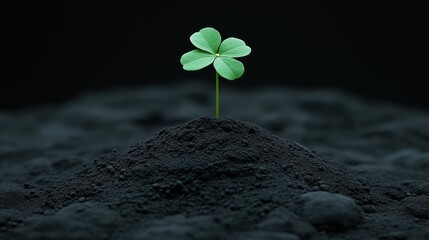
(217, 94)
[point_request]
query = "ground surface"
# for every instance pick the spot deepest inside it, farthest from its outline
(152, 163)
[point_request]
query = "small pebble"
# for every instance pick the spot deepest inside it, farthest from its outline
(330, 211)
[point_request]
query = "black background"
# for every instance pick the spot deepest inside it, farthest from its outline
(53, 50)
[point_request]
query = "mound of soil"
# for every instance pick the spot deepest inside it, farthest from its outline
(212, 179)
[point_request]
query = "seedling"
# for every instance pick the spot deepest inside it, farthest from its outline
(210, 50)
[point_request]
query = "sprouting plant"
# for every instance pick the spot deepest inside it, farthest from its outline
(221, 54)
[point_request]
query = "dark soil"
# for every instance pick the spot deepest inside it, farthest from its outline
(209, 178)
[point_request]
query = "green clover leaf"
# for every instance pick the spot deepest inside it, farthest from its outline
(211, 49)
